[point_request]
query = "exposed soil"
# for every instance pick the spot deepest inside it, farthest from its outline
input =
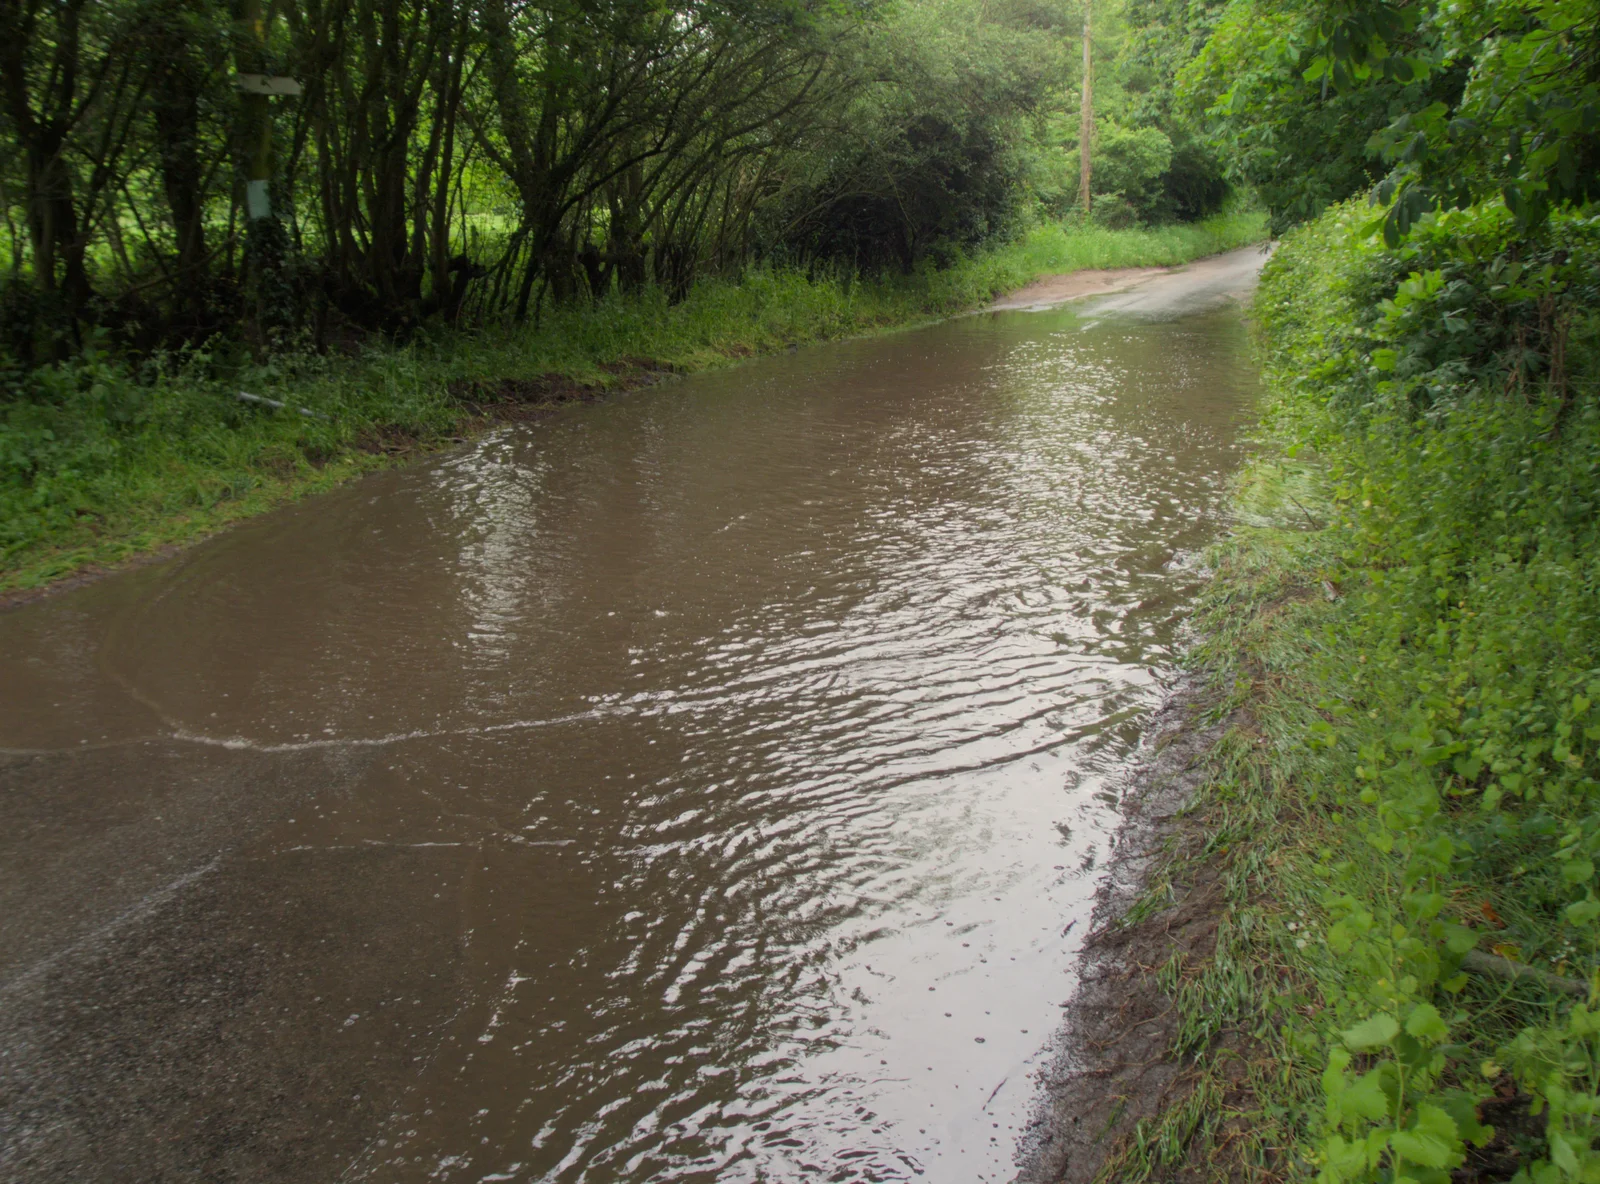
(1516, 1132)
(1115, 1064)
(1058, 289)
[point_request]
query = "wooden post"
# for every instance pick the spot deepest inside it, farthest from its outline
(264, 240)
(256, 110)
(1086, 122)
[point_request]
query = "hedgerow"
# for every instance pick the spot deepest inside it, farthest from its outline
(1434, 701)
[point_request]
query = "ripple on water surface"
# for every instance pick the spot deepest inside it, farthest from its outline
(740, 750)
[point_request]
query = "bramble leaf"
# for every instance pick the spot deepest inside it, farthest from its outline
(1432, 1142)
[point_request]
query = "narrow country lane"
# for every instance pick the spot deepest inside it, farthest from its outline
(703, 784)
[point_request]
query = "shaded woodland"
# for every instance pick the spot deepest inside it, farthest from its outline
(296, 171)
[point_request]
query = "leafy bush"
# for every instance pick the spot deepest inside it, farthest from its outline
(1449, 389)
(1130, 166)
(928, 159)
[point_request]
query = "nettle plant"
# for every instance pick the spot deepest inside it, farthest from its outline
(1463, 435)
(1389, 1115)
(1407, 1068)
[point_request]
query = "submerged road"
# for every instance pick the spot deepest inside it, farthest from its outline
(698, 786)
(1161, 292)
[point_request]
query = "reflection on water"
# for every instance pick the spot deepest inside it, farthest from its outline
(734, 756)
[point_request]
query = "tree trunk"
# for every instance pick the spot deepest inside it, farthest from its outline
(54, 230)
(176, 110)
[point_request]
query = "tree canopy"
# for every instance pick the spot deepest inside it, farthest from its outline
(1435, 104)
(297, 168)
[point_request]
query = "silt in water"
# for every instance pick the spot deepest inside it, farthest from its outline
(706, 784)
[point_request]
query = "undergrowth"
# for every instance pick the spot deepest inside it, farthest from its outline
(100, 460)
(1406, 814)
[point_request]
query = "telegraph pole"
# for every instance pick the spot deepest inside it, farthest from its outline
(1086, 121)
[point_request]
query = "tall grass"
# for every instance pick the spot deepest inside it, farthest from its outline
(100, 461)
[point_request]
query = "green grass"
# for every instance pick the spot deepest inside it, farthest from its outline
(1407, 620)
(99, 463)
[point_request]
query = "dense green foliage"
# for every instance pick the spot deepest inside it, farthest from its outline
(1446, 103)
(1412, 611)
(476, 161)
(100, 458)
(934, 152)
(1435, 725)
(1162, 37)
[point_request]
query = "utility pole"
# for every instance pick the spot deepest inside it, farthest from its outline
(258, 88)
(1086, 121)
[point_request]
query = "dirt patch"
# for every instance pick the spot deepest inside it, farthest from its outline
(388, 440)
(1116, 1065)
(498, 397)
(1516, 1130)
(649, 368)
(1058, 289)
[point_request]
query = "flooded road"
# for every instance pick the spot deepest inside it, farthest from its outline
(709, 784)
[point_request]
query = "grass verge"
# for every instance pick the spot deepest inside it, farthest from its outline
(1394, 835)
(100, 464)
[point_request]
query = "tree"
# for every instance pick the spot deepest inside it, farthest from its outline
(1437, 104)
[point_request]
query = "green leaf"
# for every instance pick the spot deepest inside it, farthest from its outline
(1375, 1032)
(1578, 871)
(1433, 1142)
(1426, 1024)
(1583, 912)
(1343, 1160)
(1463, 1108)
(1364, 1098)
(1561, 1153)
(1340, 939)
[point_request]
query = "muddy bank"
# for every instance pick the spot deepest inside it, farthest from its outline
(1116, 1064)
(490, 402)
(501, 400)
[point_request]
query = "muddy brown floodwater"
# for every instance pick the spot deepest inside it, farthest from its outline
(708, 784)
